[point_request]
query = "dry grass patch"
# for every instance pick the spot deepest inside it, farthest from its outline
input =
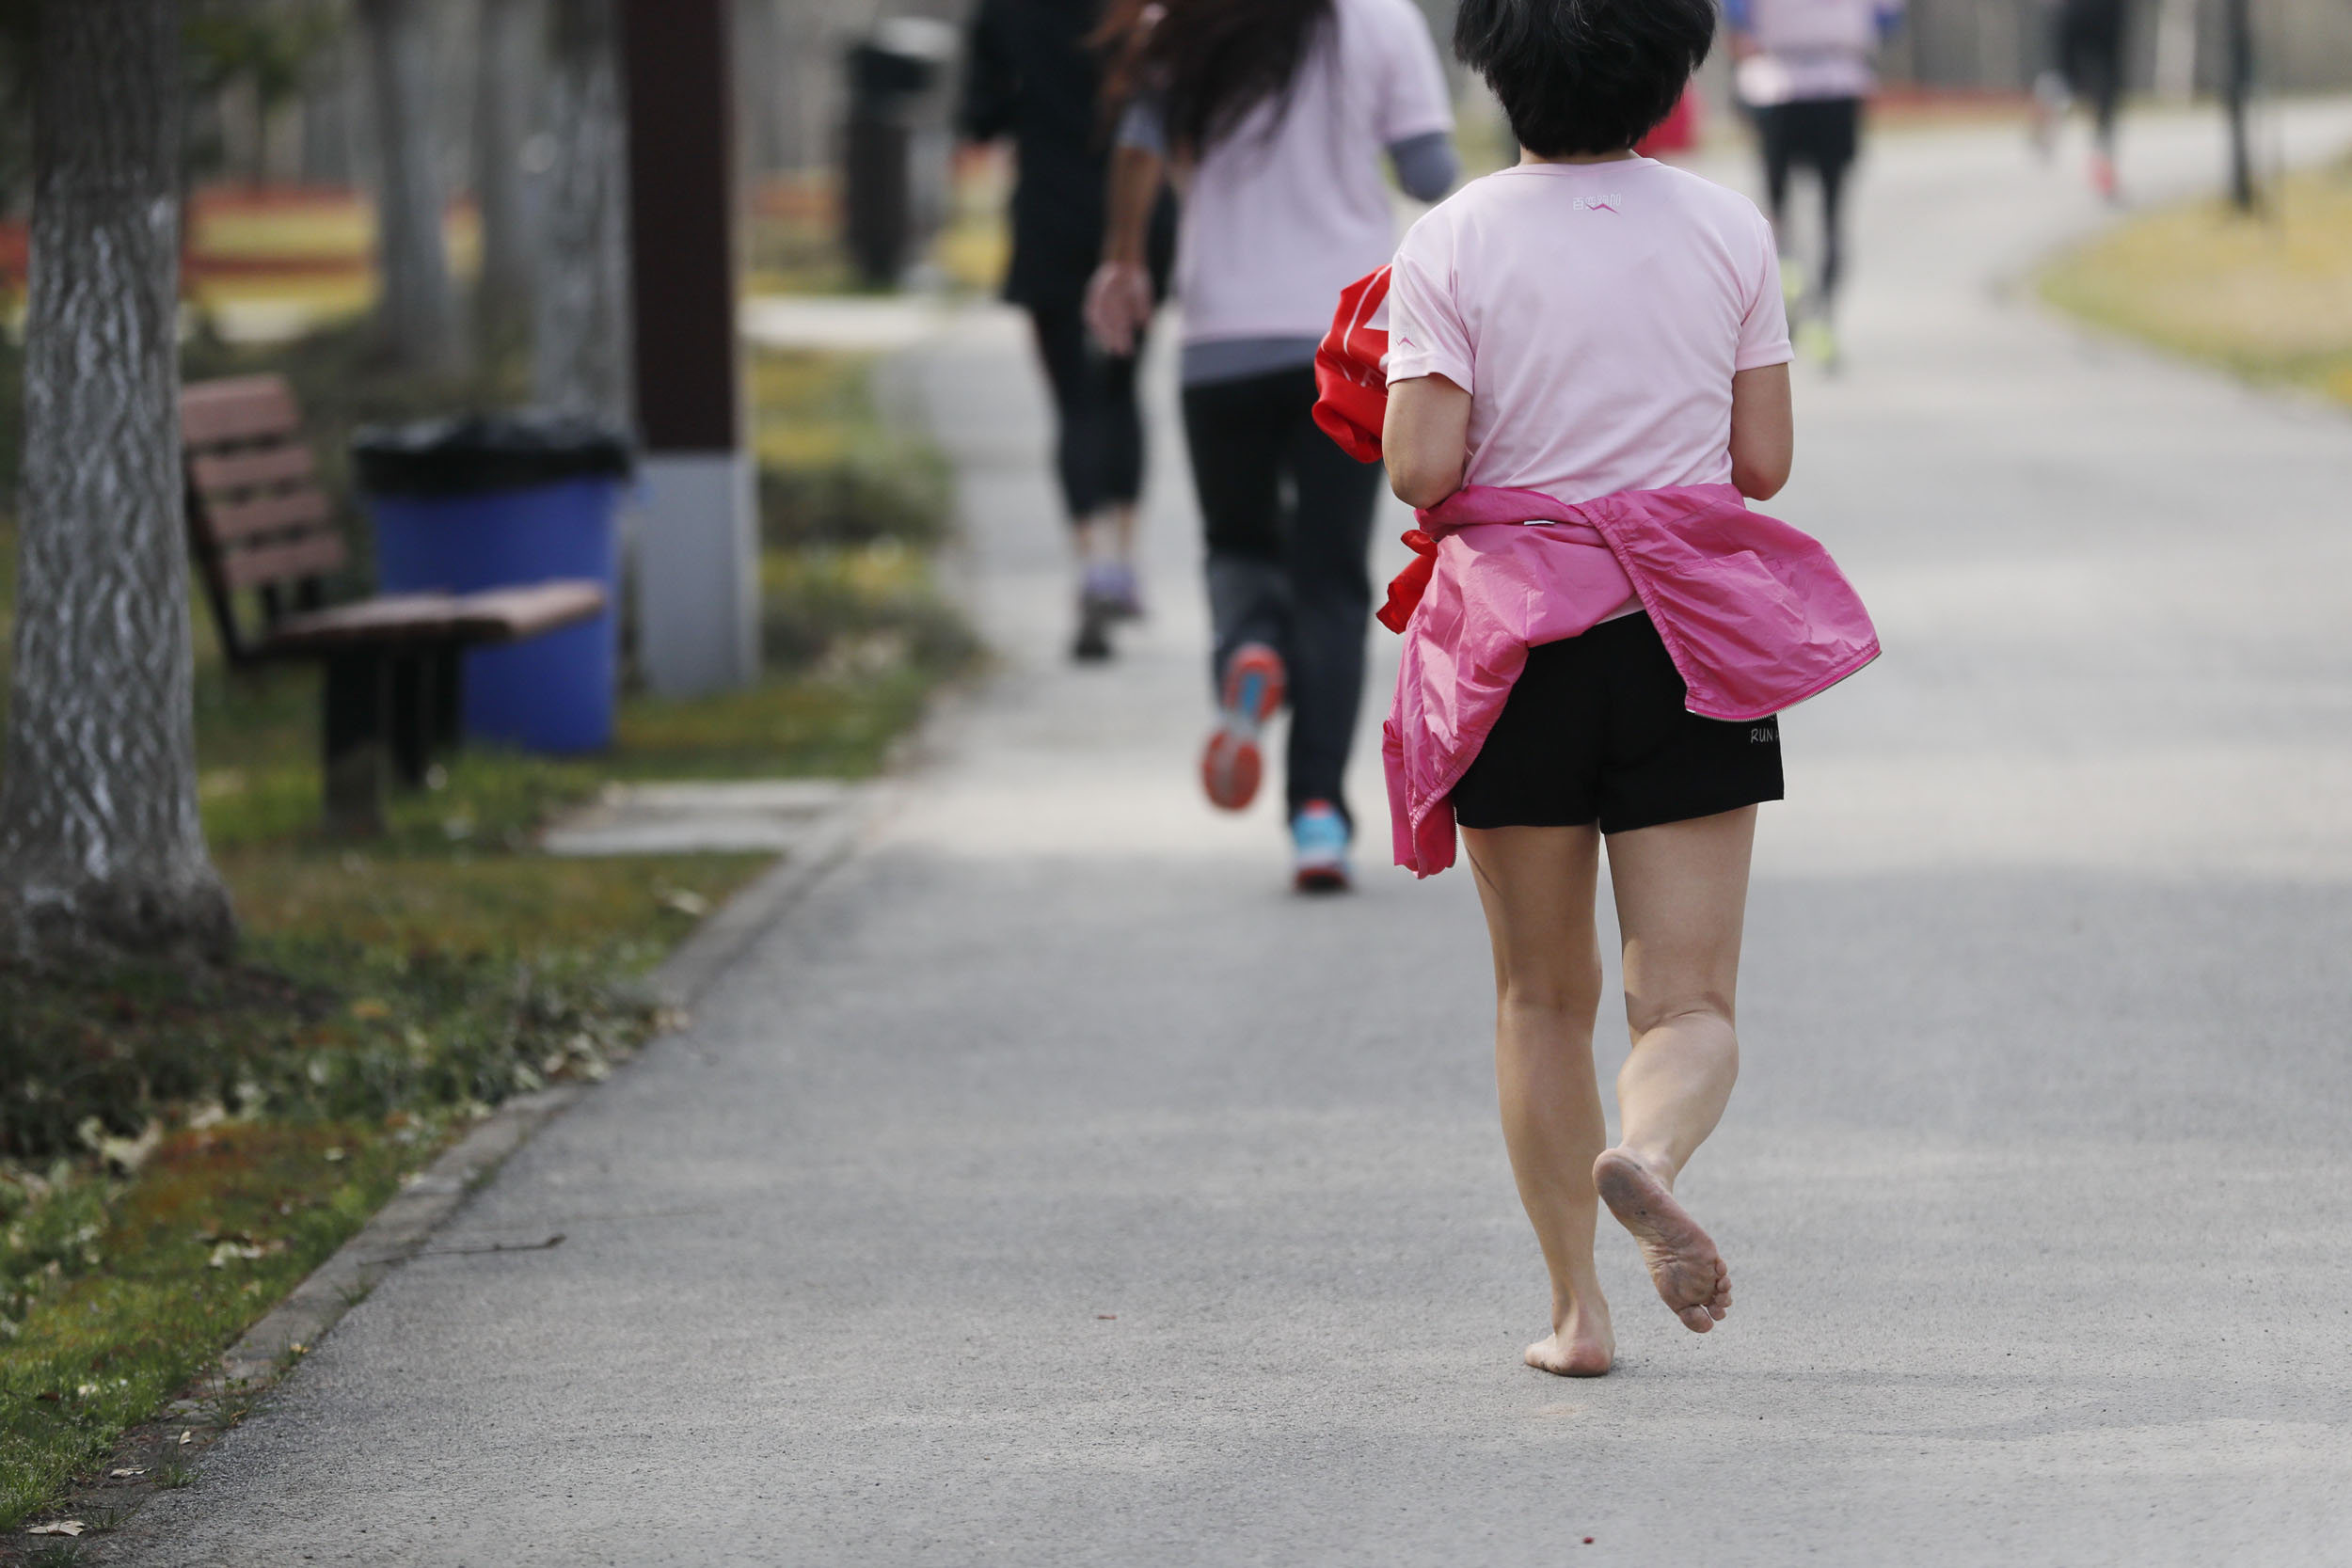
(2268, 296)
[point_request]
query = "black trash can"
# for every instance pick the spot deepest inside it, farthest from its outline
(890, 75)
(502, 500)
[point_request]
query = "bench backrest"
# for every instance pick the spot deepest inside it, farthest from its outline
(258, 519)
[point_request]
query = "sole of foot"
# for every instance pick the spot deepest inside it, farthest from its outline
(1571, 1353)
(1690, 1275)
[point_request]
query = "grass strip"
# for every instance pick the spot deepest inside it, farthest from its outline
(2266, 297)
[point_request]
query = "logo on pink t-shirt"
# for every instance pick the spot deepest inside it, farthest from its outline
(1607, 203)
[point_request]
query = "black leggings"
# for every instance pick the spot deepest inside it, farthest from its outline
(1289, 522)
(2091, 56)
(1822, 135)
(1098, 445)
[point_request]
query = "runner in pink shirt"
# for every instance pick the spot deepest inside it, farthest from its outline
(1590, 323)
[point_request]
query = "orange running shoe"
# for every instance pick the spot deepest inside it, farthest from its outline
(1231, 764)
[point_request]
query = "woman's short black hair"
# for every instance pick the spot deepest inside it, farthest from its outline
(1584, 75)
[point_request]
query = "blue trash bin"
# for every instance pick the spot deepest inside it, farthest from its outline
(500, 502)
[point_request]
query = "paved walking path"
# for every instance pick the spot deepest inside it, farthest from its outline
(1054, 1188)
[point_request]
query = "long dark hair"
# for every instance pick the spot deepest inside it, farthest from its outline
(1211, 61)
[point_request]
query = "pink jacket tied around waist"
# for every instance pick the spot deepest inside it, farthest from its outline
(1755, 613)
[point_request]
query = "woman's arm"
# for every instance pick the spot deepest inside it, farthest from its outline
(1425, 165)
(1119, 295)
(984, 104)
(1424, 439)
(1763, 431)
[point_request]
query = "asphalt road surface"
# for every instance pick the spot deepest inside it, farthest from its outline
(1054, 1187)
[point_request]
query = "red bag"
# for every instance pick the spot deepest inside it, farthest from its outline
(1351, 369)
(1678, 132)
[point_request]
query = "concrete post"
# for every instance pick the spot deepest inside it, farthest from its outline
(697, 563)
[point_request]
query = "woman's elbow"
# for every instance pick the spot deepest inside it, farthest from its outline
(1421, 488)
(1758, 481)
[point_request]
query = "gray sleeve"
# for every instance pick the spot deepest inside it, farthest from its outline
(1145, 125)
(1425, 165)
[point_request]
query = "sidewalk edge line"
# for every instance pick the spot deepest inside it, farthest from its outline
(269, 1350)
(266, 1350)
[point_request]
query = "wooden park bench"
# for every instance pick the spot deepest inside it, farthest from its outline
(263, 528)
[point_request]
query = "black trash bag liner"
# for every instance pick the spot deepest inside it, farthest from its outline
(475, 454)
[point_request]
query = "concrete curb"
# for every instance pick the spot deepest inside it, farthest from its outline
(403, 1226)
(717, 941)
(269, 1350)
(397, 1233)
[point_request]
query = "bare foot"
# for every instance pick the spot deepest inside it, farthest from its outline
(1690, 1275)
(1581, 1346)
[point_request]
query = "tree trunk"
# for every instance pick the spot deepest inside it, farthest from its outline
(504, 75)
(101, 847)
(581, 350)
(419, 313)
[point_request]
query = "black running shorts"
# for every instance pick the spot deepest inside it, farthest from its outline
(1596, 731)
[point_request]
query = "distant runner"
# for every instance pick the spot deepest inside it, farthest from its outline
(2086, 41)
(1804, 68)
(1030, 75)
(1275, 117)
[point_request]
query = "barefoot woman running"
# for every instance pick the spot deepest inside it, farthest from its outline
(1586, 372)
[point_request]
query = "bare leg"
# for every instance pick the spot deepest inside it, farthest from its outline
(1122, 531)
(1536, 884)
(1682, 893)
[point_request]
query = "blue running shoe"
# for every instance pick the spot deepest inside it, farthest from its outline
(1319, 848)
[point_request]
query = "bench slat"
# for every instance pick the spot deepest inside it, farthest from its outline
(315, 555)
(510, 614)
(217, 473)
(392, 618)
(241, 408)
(305, 511)
(498, 615)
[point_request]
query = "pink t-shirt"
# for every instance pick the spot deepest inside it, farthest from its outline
(1278, 216)
(1595, 313)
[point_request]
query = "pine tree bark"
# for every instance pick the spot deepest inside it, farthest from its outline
(418, 313)
(101, 847)
(581, 359)
(505, 73)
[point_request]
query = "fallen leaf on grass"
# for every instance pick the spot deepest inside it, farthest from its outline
(686, 903)
(225, 1252)
(126, 1472)
(129, 1154)
(188, 1437)
(58, 1526)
